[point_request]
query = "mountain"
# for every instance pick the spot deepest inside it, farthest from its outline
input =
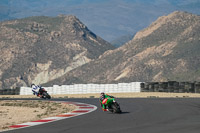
(121, 40)
(40, 49)
(166, 50)
(109, 19)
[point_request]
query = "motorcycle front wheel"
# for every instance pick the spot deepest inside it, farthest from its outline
(46, 95)
(116, 108)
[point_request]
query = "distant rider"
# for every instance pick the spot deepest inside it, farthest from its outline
(36, 89)
(102, 97)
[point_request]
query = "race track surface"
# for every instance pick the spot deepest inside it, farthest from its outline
(139, 116)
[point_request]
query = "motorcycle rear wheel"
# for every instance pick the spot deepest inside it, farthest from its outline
(46, 95)
(116, 108)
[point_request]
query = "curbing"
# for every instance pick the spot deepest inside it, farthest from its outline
(81, 108)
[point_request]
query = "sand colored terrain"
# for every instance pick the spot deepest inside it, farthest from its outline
(132, 95)
(117, 95)
(16, 112)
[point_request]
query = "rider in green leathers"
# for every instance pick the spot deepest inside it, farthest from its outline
(101, 99)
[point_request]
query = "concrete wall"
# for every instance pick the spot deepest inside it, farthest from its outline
(87, 88)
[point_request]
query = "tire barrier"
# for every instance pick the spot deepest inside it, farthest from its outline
(171, 86)
(87, 88)
(10, 91)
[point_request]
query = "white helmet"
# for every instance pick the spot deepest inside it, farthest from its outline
(33, 85)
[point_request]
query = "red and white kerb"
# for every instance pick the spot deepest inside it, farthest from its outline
(81, 108)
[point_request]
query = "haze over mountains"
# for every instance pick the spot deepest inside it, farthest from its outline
(109, 19)
(122, 40)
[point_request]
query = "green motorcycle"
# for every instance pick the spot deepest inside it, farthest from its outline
(112, 105)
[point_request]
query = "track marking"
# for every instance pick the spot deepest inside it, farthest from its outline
(81, 108)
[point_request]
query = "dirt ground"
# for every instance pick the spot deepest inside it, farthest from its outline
(117, 95)
(16, 112)
(132, 95)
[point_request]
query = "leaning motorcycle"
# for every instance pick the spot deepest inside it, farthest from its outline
(44, 94)
(112, 105)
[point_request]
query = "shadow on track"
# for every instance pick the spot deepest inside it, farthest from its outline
(124, 112)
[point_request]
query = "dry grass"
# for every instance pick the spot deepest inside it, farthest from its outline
(16, 112)
(118, 95)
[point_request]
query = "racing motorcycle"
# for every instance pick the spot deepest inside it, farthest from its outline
(112, 105)
(44, 94)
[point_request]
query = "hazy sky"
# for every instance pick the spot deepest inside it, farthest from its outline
(109, 19)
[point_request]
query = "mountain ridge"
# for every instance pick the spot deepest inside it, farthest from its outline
(108, 19)
(41, 49)
(166, 50)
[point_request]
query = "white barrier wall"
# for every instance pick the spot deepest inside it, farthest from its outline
(87, 88)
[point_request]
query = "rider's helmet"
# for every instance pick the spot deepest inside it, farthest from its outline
(102, 93)
(33, 85)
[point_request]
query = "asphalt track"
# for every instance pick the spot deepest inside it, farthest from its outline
(153, 115)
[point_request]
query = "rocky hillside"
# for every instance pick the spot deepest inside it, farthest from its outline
(166, 50)
(40, 49)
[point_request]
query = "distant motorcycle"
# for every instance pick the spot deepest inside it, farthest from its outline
(43, 94)
(112, 105)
